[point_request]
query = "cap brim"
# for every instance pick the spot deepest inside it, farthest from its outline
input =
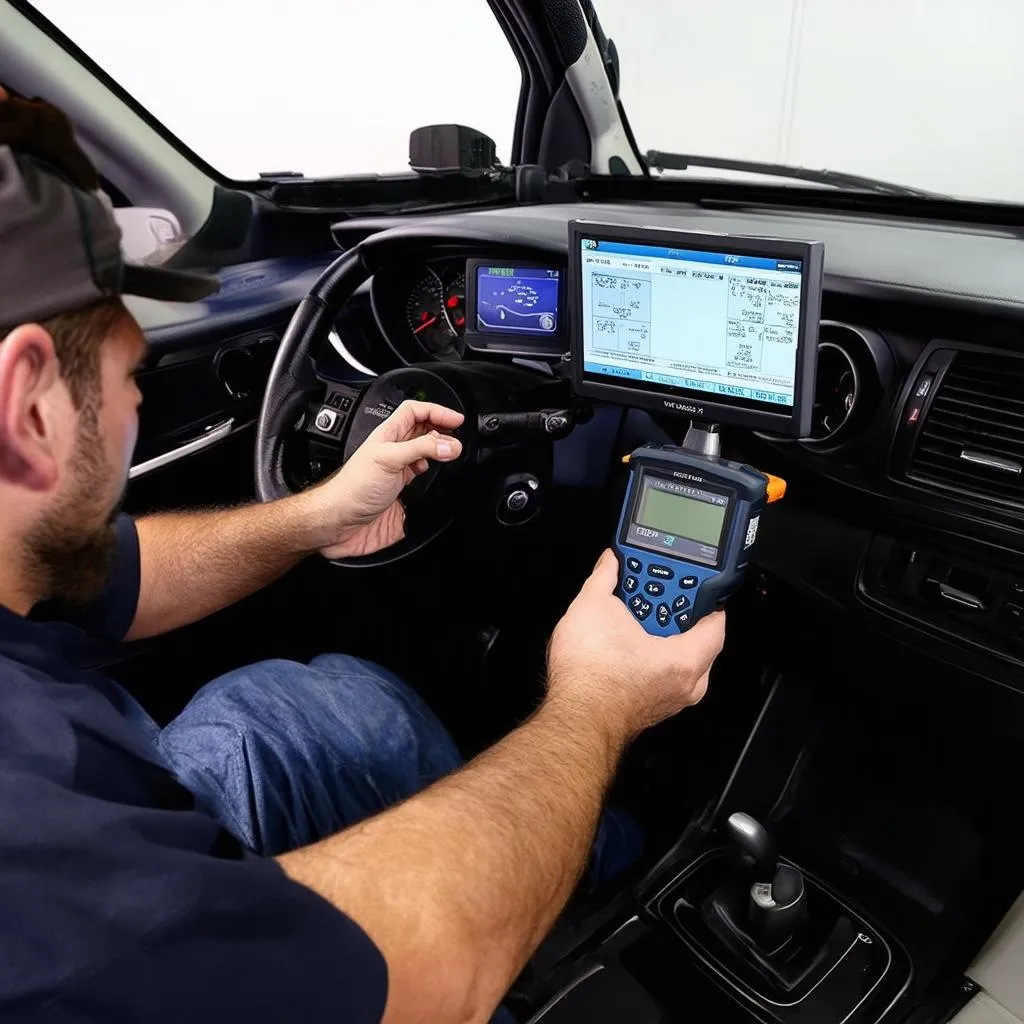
(166, 284)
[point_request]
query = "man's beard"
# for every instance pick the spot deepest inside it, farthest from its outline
(69, 552)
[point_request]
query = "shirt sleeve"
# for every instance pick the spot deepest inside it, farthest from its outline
(110, 615)
(135, 913)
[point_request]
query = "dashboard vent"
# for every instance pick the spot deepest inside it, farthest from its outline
(972, 440)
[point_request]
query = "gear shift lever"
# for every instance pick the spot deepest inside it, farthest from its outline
(750, 836)
(777, 903)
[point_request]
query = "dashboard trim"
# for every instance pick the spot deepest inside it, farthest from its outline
(972, 267)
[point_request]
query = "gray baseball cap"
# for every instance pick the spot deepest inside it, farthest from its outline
(60, 246)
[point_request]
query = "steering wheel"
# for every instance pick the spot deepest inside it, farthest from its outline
(298, 401)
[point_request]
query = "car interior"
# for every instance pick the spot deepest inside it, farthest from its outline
(861, 741)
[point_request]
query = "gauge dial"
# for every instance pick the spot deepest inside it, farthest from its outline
(425, 313)
(455, 303)
(436, 314)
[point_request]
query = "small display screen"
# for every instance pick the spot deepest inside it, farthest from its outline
(678, 519)
(517, 300)
(712, 322)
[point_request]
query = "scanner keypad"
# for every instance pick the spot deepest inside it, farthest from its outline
(640, 582)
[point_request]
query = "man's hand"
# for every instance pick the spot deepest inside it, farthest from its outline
(603, 661)
(358, 507)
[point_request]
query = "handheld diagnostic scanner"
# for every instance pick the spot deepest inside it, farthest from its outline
(685, 534)
(720, 329)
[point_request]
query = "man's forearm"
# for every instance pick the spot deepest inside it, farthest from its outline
(458, 885)
(195, 563)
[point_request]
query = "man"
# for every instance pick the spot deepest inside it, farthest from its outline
(205, 872)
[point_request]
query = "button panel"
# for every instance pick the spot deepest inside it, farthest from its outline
(641, 582)
(328, 419)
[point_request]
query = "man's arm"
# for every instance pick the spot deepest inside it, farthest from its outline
(458, 885)
(195, 563)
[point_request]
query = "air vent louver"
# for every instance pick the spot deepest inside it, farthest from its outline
(972, 439)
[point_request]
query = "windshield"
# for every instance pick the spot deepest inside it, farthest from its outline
(323, 88)
(925, 94)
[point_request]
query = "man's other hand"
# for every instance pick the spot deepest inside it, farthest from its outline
(359, 506)
(602, 660)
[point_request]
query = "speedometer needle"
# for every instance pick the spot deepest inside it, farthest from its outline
(426, 323)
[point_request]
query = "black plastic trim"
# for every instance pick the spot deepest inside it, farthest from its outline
(543, 117)
(940, 628)
(872, 360)
(934, 359)
(531, 88)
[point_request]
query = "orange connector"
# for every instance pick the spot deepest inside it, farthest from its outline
(776, 488)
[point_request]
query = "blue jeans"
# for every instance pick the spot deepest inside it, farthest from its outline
(283, 754)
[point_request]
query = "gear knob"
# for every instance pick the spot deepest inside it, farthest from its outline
(751, 837)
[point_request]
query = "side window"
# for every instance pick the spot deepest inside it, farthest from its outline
(325, 89)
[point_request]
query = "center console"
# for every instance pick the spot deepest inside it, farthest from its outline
(791, 948)
(855, 861)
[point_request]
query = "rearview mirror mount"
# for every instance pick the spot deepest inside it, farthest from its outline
(451, 149)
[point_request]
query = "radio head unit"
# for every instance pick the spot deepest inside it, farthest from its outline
(720, 328)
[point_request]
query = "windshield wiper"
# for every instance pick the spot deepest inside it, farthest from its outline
(658, 161)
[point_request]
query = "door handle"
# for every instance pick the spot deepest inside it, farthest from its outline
(961, 597)
(212, 434)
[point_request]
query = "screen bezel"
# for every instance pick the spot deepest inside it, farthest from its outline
(704, 485)
(516, 344)
(793, 421)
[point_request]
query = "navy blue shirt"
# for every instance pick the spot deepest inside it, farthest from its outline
(118, 899)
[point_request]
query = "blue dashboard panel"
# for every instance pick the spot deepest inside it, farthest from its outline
(252, 295)
(512, 300)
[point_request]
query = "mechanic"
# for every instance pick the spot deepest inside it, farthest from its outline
(240, 864)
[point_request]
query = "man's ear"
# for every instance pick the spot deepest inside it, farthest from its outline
(32, 400)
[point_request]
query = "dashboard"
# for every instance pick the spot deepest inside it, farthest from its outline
(906, 501)
(907, 497)
(425, 311)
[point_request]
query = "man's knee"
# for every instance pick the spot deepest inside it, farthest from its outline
(312, 747)
(338, 707)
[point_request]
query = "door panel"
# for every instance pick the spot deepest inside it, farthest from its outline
(196, 390)
(204, 380)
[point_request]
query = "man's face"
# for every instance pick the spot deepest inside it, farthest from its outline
(69, 549)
